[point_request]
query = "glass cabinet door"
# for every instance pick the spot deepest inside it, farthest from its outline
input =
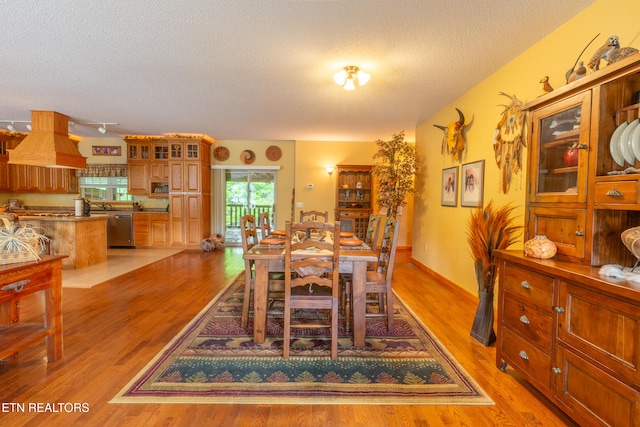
(559, 151)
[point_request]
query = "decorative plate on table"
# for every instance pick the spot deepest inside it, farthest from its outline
(271, 241)
(221, 153)
(350, 242)
(273, 153)
(346, 234)
(614, 148)
(248, 157)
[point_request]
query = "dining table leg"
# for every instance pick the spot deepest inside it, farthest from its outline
(260, 294)
(359, 298)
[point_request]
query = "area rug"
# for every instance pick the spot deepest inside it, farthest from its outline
(214, 360)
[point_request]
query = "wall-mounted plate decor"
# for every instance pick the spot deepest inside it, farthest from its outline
(274, 153)
(221, 153)
(248, 157)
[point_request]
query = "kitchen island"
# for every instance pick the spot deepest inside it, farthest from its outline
(83, 239)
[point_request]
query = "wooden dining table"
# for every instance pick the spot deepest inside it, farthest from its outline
(268, 259)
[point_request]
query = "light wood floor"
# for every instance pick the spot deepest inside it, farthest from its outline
(112, 330)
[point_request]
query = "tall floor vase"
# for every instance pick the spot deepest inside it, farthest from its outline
(482, 328)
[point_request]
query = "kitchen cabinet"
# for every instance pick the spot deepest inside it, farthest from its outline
(354, 198)
(151, 229)
(189, 189)
(178, 168)
(147, 165)
(580, 192)
(32, 179)
(573, 334)
(82, 239)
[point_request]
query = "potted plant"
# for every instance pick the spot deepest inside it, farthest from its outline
(394, 170)
(489, 229)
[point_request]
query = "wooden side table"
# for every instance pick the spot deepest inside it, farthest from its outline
(16, 282)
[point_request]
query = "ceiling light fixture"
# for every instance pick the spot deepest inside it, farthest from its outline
(348, 75)
(102, 126)
(11, 126)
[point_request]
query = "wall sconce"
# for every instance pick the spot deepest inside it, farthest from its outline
(330, 170)
(346, 77)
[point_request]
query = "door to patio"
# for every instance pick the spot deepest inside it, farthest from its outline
(248, 192)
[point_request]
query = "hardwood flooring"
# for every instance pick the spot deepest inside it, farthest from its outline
(112, 330)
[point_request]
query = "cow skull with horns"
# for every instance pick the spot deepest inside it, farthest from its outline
(454, 137)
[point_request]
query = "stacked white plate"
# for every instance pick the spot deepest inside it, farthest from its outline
(635, 142)
(614, 147)
(624, 141)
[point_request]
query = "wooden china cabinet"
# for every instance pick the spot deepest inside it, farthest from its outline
(571, 332)
(354, 198)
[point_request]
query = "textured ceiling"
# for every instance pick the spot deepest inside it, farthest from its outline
(258, 69)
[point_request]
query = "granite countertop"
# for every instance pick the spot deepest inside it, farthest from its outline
(64, 218)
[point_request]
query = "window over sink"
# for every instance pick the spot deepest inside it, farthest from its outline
(105, 189)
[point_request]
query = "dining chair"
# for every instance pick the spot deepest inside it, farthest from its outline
(378, 281)
(249, 238)
(265, 225)
(314, 216)
(311, 280)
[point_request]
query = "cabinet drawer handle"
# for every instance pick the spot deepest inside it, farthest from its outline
(524, 319)
(16, 286)
(523, 354)
(556, 371)
(614, 192)
(525, 284)
(559, 309)
(579, 233)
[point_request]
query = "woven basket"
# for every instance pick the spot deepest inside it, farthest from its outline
(23, 254)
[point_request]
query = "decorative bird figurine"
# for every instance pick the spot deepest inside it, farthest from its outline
(610, 52)
(545, 86)
(579, 72)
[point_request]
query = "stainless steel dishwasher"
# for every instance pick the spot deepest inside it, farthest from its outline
(120, 230)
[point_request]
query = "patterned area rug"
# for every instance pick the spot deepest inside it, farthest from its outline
(214, 360)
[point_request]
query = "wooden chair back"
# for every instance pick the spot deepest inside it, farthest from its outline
(373, 229)
(314, 216)
(388, 247)
(265, 224)
(311, 277)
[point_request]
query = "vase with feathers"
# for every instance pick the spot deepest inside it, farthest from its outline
(489, 229)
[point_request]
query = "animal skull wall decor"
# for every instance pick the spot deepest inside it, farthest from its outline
(454, 140)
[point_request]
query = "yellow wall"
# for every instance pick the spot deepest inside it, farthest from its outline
(311, 161)
(284, 178)
(439, 237)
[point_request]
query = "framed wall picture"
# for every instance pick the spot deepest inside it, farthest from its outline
(472, 183)
(105, 150)
(449, 188)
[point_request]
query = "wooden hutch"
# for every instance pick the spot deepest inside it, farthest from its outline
(354, 198)
(571, 332)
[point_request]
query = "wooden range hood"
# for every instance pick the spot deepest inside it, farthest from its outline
(48, 144)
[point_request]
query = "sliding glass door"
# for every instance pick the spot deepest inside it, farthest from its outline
(248, 192)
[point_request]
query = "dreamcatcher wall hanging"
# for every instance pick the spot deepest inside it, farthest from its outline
(509, 139)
